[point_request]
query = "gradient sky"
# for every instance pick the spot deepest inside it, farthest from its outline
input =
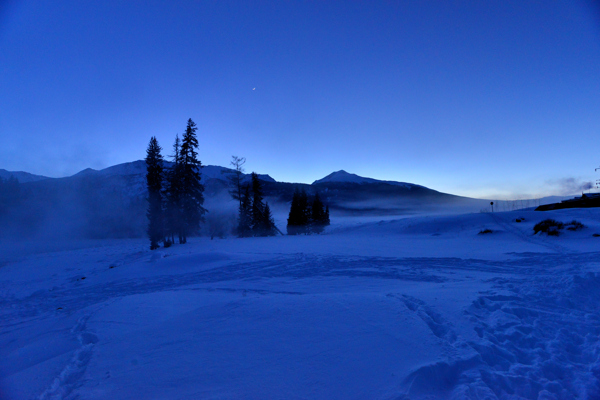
(488, 99)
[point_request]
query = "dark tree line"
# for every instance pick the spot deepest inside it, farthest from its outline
(175, 194)
(255, 218)
(307, 217)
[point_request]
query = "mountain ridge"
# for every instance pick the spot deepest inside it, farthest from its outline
(208, 171)
(21, 176)
(112, 202)
(342, 176)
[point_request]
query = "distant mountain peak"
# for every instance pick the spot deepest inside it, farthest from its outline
(86, 171)
(343, 176)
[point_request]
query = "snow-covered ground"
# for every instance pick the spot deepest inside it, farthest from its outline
(414, 308)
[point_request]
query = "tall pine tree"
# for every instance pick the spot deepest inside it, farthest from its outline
(172, 196)
(192, 193)
(258, 207)
(305, 217)
(235, 177)
(154, 176)
(270, 228)
(318, 216)
(244, 228)
(300, 214)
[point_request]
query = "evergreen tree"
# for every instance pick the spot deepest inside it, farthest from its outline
(318, 216)
(255, 216)
(235, 178)
(259, 225)
(245, 222)
(192, 193)
(270, 229)
(299, 216)
(293, 221)
(154, 167)
(237, 191)
(172, 196)
(306, 211)
(306, 218)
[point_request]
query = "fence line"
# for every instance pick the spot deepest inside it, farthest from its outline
(513, 205)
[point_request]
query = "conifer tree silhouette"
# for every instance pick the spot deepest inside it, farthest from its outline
(154, 177)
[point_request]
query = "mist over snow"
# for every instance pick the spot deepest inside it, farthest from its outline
(112, 202)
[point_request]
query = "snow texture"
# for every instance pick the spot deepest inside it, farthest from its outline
(415, 308)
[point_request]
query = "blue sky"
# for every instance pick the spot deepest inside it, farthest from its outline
(481, 98)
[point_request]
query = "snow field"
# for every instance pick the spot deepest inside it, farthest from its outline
(413, 308)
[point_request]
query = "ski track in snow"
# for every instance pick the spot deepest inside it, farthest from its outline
(299, 266)
(70, 377)
(537, 327)
(540, 341)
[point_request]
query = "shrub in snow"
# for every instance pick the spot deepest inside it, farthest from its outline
(483, 232)
(574, 226)
(549, 226)
(552, 227)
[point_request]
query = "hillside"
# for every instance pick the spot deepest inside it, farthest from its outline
(111, 203)
(21, 176)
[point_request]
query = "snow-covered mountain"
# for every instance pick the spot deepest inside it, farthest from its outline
(104, 203)
(112, 202)
(139, 168)
(21, 176)
(342, 176)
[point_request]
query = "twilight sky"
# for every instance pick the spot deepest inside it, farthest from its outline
(496, 99)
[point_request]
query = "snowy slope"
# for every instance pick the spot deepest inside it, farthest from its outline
(139, 168)
(413, 308)
(21, 176)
